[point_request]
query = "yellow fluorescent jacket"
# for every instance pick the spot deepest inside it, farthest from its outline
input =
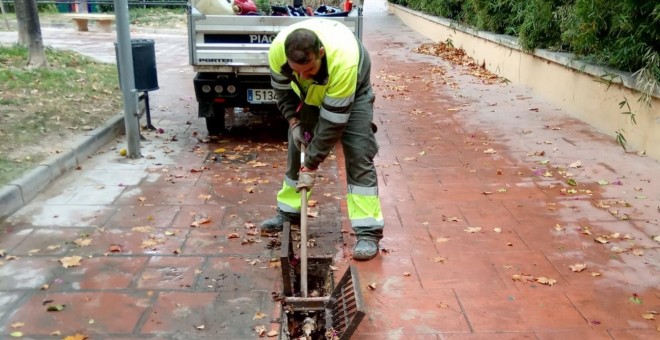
(343, 57)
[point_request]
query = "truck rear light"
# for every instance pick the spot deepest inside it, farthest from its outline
(218, 89)
(206, 89)
(219, 100)
(231, 89)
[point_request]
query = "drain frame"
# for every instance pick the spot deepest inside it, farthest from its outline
(343, 309)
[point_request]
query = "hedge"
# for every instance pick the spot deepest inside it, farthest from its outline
(623, 34)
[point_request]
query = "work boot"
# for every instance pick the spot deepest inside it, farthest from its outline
(276, 223)
(365, 249)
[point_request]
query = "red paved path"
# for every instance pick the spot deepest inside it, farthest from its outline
(456, 155)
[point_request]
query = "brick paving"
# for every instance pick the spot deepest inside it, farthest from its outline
(473, 182)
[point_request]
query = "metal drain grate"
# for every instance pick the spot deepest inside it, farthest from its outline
(345, 310)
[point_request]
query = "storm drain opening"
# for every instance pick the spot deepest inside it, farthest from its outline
(330, 312)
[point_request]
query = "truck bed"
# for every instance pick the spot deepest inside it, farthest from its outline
(239, 43)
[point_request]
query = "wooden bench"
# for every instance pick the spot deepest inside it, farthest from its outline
(103, 21)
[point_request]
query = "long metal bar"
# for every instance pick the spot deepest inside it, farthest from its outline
(127, 78)
(303, 232)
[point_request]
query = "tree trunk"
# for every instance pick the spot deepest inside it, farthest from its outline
(36, 50)
(21, 21)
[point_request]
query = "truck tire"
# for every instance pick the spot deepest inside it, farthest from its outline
(215, 125)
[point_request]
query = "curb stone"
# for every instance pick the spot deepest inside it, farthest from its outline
(20, 192)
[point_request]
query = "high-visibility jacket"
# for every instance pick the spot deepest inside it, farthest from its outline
(344, 74)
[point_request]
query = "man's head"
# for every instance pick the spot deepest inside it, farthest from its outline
(304, 52)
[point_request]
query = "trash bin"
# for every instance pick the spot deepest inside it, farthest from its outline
(144, 64)
(63, 6)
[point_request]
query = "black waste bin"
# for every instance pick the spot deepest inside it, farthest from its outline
(144, 64)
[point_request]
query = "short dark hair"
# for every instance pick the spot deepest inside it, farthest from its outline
(299, 44)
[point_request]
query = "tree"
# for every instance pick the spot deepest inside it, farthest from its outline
(37, 54)
(21, 21)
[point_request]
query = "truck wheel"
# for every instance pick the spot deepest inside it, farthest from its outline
(215, 125)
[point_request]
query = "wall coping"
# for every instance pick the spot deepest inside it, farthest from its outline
(569, 60)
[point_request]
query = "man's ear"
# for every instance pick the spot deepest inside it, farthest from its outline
(321, 52)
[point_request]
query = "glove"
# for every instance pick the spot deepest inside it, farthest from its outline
(296, 134)
(306, 179)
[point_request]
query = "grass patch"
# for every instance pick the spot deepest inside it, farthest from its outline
(41, 110)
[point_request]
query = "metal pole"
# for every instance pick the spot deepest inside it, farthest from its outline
(127, 78)
(303, 233)
(4, 15)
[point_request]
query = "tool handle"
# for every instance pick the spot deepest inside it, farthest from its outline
(303, 232)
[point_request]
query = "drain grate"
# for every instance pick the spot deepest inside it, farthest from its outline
(345, 309)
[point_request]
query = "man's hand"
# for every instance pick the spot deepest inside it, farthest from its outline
(306, 179)
(296, 134)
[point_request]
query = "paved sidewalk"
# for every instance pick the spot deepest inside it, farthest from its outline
(482, 225)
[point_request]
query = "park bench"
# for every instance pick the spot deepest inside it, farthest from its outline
(103, 21)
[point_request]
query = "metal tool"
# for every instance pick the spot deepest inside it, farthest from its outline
(303, 232)
(338, 313)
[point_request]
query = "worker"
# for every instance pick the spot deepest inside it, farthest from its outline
(321, 74)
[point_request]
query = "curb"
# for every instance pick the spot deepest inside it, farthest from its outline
(20, 192)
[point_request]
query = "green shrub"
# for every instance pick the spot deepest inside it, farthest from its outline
(624, 34)
(541, 24)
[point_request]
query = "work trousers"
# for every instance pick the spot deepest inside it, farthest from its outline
(360, 147)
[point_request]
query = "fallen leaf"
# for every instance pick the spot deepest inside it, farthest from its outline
(259, 315)
(559, 227)
(232, 235)
(595, 274)
(603, 182)
(143, 229)
(199, 219)
(372, 286)
(490, 151)
(17, 325)
(55, 308)
(571, 182)
(450, 219)
(115, 248)
(601, 240)
(439, 259)
(82, 242)
(44, 286)
(575, 165)
(578, 267)
(406, 274)
(70, 261)
(472, 230)
(546, 281)
(261, 330)
(635, 299)
(200, 327)
(497, 230)
(650, 315)
(524, 278)
(442, 239)
(442, 305)
(272, 333)
(16, 334)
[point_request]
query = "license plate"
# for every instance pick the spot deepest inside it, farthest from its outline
(260, 96)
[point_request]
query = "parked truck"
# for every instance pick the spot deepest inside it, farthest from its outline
(229, 54)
